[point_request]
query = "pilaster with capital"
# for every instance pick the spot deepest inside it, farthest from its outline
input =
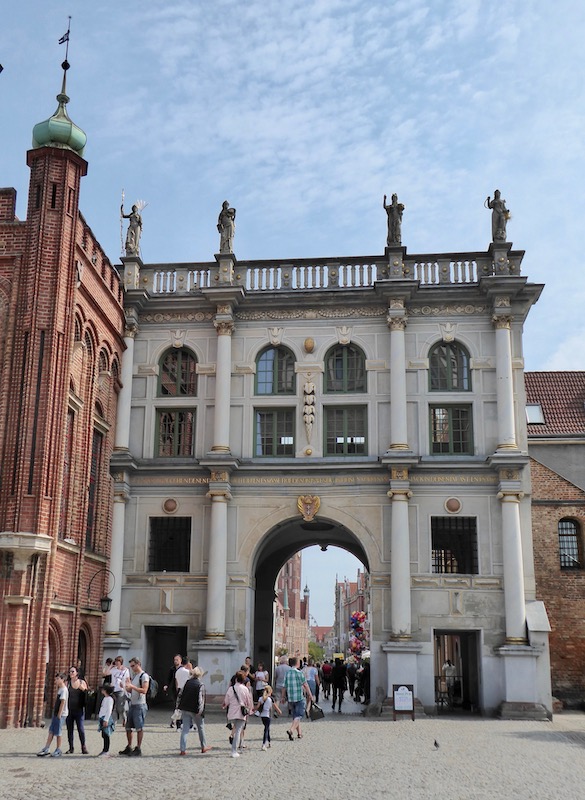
(401, 612)
(514, 597)
(219, 493)
(397, 321)
(224, 325)
(502, 321)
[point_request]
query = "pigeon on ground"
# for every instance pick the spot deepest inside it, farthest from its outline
(436, 745)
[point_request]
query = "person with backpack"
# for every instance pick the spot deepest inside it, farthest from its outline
(138, 689)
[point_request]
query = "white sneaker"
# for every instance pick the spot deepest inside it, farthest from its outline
(43, 752)
(235, 755)
(263, 747)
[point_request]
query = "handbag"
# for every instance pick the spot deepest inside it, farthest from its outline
(243, 709)
(316, 712)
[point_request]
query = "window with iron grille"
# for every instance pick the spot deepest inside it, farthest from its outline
(449, 369)
(170, 544)
(454, 545)
(275, 371)
(451, 430)
(178, 373)
(346, 429)
(569, 551)
(345, 369)
(274, 432)
(175, 432)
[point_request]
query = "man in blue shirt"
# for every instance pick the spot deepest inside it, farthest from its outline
(296, 687)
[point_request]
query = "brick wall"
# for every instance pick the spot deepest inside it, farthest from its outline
(562, 590)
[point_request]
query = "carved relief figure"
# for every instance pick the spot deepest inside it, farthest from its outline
(394, 211)
(226, 225)
(500, 216)
(309, 408)
(134, 230)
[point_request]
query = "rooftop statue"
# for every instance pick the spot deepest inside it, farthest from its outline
(500, 216)
(226, 225)
(134, 230)
(394, 211)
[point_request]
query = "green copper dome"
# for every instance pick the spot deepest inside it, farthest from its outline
(59, 130)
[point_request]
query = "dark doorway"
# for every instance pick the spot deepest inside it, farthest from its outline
(162, 643)
(457, 678)
(279, 545)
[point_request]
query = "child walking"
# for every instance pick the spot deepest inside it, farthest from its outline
(106, 718)
(60, 712)
(265, 705)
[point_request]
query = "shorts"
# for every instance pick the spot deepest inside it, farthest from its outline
(298, 709)
(136, 717)
(56, 726)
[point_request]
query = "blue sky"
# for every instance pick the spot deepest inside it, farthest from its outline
(304, 113)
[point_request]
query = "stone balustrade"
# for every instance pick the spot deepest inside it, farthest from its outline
(318, 274)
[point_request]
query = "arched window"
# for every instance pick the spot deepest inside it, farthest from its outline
(449, 368)
(569, 549)
(345, 369)
(275, 371)
(178, 375)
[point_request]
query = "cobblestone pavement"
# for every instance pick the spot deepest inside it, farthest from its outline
(342, 756)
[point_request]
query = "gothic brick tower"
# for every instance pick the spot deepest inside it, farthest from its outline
(60, 334)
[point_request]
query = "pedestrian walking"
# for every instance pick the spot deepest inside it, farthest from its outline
(297, 688)
(138, 688)
(106, 718)
(60, 712)
(265, 705)
(77, 689)
(192, 707)
(238, 702)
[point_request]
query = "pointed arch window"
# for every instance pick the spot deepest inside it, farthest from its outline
(449, 368)
(178, 373)
(275, 371)
(345, 369)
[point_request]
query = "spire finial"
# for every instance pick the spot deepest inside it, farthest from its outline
(65, 65)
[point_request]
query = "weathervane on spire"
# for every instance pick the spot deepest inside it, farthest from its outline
(65, 65)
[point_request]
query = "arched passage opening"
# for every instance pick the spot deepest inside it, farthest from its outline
(280, 544)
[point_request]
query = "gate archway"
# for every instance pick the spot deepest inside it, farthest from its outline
(280, 544)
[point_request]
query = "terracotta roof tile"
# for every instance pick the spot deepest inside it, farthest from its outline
(561, 396)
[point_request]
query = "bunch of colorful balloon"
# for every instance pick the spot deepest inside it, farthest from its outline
(357, 639)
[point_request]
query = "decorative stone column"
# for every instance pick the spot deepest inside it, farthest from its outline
(224, 326)
(398, 426)
(219, 494)
(504, 379)
(121, 489)
(514, 600)
(400, 554)
(122, 438)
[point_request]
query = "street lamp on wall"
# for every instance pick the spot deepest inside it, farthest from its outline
(105, 601)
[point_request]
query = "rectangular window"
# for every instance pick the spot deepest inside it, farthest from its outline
(345, 430)
(451, 430)
(175, 433)
(454, 545)
(274, 432)
(170, 544)
(569, 544)
(93, 491)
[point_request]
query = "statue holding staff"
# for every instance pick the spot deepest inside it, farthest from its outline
(500, 216)
(134, 230)
(394, 211)
(226, 225)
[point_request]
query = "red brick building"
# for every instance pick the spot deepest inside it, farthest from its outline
(556, 444)
(61, 326)
(292, 610)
